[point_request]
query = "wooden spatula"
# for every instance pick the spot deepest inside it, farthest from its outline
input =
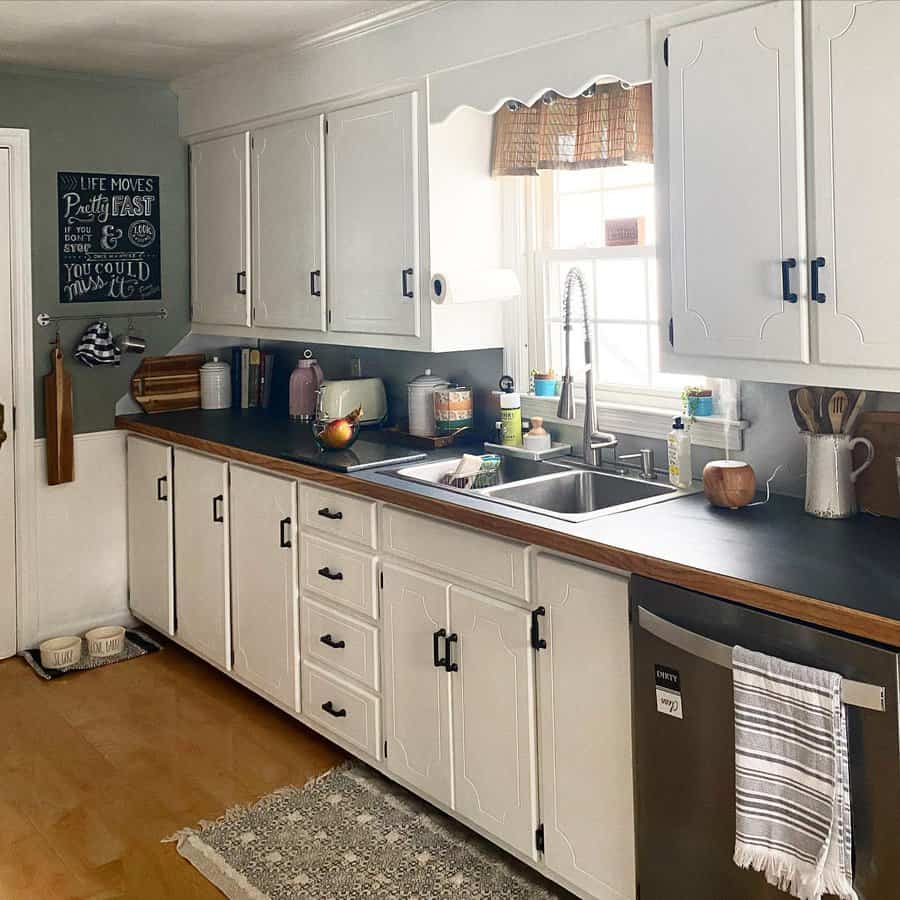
(58, 417)
(838, 407)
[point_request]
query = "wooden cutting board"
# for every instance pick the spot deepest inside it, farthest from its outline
(58, 419)
(876, 488)
(168, 383)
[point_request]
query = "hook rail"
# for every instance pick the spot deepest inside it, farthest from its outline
(44, 319)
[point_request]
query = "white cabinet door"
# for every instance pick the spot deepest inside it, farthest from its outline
(856, 143)
(584, 700)
(264, 583)
(493, 717)
(151, 590)
(415, 611)
(202, 576)
(220, 231)
(373, 231)
(288, 201)
(736, 184)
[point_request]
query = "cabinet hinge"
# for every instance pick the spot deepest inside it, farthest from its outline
(671, 331)
(539, 838)
(666, 51)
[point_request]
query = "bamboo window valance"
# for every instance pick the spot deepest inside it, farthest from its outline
(607, 125)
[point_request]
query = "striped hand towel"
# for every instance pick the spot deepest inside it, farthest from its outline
(792, 777)
(97, 347)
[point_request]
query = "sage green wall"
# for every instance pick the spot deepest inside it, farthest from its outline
(87, 124)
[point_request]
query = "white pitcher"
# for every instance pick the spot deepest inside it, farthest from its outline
(830, 476)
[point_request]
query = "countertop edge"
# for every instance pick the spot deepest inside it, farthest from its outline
(758, 596)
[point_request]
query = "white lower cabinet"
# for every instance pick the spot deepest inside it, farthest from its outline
(265, 595)
(202, 576)
(151, 589)
(584, 700)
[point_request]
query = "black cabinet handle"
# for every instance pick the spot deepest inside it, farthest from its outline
(536, 640)
(162, 481)
(439, 662)
(312, 283)
(329, 641)
(238, 289)
(407, 292)
(786, 293)
(814, 266)
(326, 513)
(451, 640)
(218, 515)
(284, 541)
(325, 572)
(337, 713)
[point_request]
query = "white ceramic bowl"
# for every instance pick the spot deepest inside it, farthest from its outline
(105, 641)
(59, 652)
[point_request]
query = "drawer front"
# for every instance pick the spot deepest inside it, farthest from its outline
(339, 642)
(491, 563)
(341, 708)
(346, 577)
(342, 515)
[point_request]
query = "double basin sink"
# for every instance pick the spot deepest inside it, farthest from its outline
(563, 490)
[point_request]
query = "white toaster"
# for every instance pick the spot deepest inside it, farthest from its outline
(339, 397)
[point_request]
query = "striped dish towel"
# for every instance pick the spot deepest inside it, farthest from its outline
(97, 347)
(792, 776)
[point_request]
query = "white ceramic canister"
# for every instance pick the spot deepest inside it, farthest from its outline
(215, 384)
(420, 398)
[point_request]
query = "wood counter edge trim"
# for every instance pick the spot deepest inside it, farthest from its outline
(796, 606)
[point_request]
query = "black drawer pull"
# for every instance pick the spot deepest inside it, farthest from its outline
(337, 713)
(451, 640)
(163, 480)
(814, 266)
(240, 287)
(326, 513)
(325, 572)
(284, 541)
(312, 283)
(536, 640)
(218, 515)
(407, 290)
(329, 641)
(786, 293)
(439, 662)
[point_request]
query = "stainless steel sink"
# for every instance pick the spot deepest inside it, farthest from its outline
(512, 470)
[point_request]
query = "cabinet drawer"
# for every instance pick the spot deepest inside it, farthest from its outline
(490, 562)
(344, 576)
(342, 515)
(324, 630)
(339, 707)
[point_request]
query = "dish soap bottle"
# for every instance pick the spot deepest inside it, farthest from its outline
(510, 413)
(679, 447)
(537, 438)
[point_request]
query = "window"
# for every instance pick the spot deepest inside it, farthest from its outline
(571, 209)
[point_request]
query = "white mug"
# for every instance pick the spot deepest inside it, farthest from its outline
(830, 476)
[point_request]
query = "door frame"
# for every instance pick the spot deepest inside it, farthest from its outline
(17, 141)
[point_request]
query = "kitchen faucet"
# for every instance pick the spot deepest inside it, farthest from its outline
(594, 442)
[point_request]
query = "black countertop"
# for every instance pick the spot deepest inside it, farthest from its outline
(852, 563)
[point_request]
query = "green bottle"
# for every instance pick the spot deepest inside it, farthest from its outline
(510, 413)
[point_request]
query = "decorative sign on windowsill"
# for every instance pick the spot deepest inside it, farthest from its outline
(624, 232)
(109, 246)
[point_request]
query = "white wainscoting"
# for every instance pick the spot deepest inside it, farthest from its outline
(82, 573)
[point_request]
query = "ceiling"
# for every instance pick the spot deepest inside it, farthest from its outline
(167, 38)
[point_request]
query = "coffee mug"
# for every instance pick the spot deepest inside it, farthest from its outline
(131, 343)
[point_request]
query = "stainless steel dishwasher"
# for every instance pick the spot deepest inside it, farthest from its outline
(684, 743)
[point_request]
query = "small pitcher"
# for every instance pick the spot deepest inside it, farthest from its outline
(830, 476)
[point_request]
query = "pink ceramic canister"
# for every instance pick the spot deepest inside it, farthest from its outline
(306, 379)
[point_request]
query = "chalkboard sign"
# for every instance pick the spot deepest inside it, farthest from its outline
(108, 237)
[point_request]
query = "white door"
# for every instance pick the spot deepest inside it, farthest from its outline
(202, 576)
(493, 717)
(736, 184)
(264, 592)
(856, 194)
(415, 622)
(373, 212)
(584, 701)
(220, 231)
(288, 201)
(7, 455)
(151, 587)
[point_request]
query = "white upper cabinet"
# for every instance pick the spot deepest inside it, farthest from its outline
(373, 209)
(288, 203)
(855, 82)
(736, 184)
(220, 231)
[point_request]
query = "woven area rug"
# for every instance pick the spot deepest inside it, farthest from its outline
(347, 835)
(136, 644)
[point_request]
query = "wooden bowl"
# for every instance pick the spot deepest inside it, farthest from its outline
(59, 652)
(729, 483)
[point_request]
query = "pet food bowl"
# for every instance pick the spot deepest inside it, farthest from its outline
(59, 652)
(105, 641)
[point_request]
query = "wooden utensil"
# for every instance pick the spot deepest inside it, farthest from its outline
(58, 418)
(805, 406)
(856, 405)
(838, 405)
(876, 487)
(168, 383)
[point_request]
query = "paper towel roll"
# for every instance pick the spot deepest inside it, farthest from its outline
(474, 286)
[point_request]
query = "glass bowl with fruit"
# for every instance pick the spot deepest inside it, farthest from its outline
(337, 434)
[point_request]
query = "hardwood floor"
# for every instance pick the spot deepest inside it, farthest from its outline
(97, 768)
